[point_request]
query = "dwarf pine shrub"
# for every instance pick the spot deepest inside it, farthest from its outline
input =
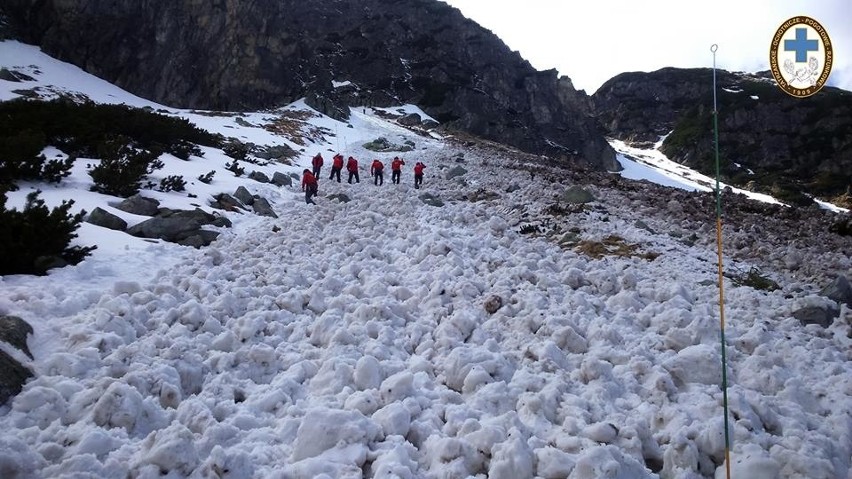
(122, 168)
(37, 238)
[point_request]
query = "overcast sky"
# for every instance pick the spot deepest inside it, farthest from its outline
(594, 40)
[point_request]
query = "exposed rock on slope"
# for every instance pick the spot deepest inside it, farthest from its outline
(784, 145)
(232, 55)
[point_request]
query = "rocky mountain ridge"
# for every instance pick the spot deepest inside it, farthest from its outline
(768, 140)
(230, 55)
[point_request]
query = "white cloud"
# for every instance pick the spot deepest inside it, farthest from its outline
(594, 41)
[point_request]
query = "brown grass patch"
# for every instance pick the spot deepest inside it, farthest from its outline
(293, 125)
(613, 245)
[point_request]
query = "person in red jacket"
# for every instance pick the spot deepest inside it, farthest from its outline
(336, 166)
(317, 164)
(352, 168)
(309, 186)
(376, 171)
(396, 169)
(418, 174)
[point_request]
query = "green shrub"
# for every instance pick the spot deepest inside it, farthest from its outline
(754, 278)
(20, 159)
(172, 183)
(27, 127)
(123, 167)
(207, 177)
(235, 168)
(236, 150)
(35, 239)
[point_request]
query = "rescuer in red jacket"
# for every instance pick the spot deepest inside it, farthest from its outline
(352, 168)
(418, 174)
(336, 166)
(309, 186)
(376, 171)
(317, 164)
(396, 169)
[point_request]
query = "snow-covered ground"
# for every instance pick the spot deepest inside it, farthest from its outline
(349, 340)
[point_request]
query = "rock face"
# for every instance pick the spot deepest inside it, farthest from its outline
(226, 54)
(780, 144)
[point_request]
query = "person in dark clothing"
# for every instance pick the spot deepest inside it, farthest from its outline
(352, 168)
(317, 164)
(376, 171)
(396, 169)
(309, 186)
(336, 166)
(418, 175)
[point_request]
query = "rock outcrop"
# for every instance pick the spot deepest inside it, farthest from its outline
(768, 140)
(231, 55)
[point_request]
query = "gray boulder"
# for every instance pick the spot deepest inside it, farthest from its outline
(340, 197)
(280, 179)
(13, 374)
(411, 119)
(224, 201)
(431, 200)
(259, 176)
(244, 196)
(261, 206)
(455, 172)
(822, 316)
(840, 290)
(180, 227)
(101, 217)
(139, 205)
(14, 331)
(576, 195)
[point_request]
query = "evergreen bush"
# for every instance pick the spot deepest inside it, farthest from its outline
(172, 183)
(122, 168)
(37, 238)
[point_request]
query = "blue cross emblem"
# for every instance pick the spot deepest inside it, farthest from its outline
(801, 45)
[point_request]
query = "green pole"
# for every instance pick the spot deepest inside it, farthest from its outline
(721, 284)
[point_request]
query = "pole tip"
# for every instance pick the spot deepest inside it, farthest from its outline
(714, 47)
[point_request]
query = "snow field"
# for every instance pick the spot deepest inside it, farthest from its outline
(354, 343)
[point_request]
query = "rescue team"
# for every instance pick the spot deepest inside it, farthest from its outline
(310, 178)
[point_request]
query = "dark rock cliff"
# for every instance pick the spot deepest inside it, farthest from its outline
(239, 55)
(768, 140)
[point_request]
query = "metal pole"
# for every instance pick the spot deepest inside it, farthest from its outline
(713, 49)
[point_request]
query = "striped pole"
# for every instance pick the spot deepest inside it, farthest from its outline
(713, 49)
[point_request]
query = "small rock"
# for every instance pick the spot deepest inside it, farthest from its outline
(103, 218)
(493, 303)
(577, 195)
(431, 200)
(840, 290)
(455, 172)
(340, 197)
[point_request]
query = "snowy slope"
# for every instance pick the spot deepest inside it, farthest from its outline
(349, 340)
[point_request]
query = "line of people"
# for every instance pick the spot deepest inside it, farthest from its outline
(310, 178)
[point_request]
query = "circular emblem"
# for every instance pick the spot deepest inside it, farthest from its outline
(800, 56)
